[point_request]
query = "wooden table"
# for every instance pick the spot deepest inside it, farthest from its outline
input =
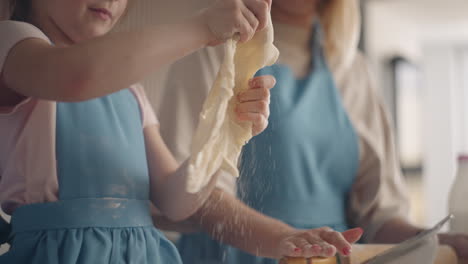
(361, 253)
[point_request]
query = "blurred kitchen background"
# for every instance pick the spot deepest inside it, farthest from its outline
(419, 53)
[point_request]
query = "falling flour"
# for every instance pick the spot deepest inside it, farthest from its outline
(219, 137)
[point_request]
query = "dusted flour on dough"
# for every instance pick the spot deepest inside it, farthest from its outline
(219, 137)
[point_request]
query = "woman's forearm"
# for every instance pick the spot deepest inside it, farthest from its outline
(166, 224)
(102, 65)
(230, 221)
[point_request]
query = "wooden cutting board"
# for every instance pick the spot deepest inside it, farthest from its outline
(361, 253)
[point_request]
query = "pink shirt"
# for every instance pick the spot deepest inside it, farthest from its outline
(28, 172)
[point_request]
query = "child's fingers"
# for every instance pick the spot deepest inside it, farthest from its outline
(259, 121)
(265, 81)
(262, 94)
(228, 18)
(250, 17)
(353, 235)
(248, 25)
(260, 9)
(336, 239)
(245, 30)
(260, 107)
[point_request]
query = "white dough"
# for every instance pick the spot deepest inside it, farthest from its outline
(219, 137)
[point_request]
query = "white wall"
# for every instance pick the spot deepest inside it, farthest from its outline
(401, 27)
(388, 35)
(430, 34)
(440, 124)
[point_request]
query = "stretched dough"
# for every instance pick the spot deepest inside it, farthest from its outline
(219, 137)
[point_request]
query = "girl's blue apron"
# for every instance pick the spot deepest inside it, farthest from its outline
(301, 168)
(103, 213)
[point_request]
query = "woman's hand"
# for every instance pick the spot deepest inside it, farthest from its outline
(227, 17)
(459, 242)
(254, 103)
(321, 242)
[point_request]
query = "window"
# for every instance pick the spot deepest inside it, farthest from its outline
(408, 116)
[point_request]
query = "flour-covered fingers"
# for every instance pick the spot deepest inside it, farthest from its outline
(337, 240)
(287, 248)
(306, 248)
(304, 245)
(328, 250)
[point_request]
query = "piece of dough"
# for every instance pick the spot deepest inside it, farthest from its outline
(219, 137)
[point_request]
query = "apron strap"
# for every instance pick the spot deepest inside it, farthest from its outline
(5, 231)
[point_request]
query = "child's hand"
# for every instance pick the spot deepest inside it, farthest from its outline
(228, 17)
(254, 103)
(321, 242)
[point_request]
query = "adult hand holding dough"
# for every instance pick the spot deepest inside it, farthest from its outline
(219, 136)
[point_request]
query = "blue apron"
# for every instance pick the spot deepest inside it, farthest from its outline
(103, 213)
(301, 168)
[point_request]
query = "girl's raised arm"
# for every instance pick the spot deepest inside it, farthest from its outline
(103, 65)
(113, 62)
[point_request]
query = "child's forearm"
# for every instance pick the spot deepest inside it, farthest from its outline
(230, 221)
(102, 65)
(168, 180)
(174, 201)
(133, 55)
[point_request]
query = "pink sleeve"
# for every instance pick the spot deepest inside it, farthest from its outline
(147, 113)
(12, 32)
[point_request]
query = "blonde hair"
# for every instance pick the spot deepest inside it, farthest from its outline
(341, 22)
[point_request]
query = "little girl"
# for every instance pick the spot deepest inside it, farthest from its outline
(81, 157)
